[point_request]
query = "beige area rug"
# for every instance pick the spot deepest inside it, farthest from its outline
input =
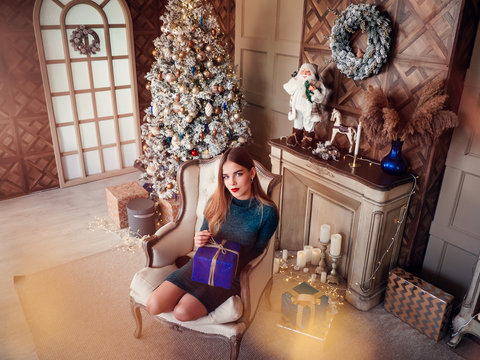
(81, 310)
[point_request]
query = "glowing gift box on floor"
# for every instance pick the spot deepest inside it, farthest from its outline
(418, 303)
(304, 307)
(118, 197)
(216, 263)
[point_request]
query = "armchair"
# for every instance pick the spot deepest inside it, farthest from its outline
(197, 180)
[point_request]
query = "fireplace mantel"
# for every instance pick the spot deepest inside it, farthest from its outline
(362, 204)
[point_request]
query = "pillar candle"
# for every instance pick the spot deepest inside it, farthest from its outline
(308, 252)
(276, 265)
(284, 254)
(323, 277)
(324, 233)
(335, 244)
(357, 142)
(316, 256)
(301, 259)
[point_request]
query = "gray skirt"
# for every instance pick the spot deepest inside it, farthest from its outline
(210, 296)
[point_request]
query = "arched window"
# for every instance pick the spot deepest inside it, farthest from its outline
(91, 98)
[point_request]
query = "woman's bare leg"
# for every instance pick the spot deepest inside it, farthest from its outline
(164, 298)
(189, 308)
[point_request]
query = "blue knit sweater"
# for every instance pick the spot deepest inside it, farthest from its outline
(249, 223)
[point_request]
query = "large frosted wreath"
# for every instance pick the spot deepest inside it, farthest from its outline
(367, 18)
(79, 40)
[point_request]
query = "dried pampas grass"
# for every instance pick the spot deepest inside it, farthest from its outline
(376, 110)
(382, 123)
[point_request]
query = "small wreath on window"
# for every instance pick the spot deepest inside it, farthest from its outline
(367, 18)
(79, 40)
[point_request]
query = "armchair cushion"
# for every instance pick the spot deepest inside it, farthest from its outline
(148, 279)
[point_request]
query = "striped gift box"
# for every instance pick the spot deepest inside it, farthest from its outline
(418, 303)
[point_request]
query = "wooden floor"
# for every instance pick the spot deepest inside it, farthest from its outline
(40, 231)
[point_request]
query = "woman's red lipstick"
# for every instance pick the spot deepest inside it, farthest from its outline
(234, 189)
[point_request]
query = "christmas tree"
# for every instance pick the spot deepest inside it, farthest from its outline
(196, 102)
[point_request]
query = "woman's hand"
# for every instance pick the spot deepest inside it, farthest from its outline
(201, 238)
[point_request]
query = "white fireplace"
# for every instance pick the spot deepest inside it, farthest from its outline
(363, 204)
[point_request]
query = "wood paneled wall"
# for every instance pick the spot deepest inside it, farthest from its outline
(431, 40)
(27, 160)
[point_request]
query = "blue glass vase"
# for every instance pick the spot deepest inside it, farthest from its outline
(394, 163)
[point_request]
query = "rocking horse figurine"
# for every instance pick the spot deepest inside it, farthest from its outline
(338, 128)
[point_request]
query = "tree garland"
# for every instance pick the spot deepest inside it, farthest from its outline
(79, 40)
(367, 18)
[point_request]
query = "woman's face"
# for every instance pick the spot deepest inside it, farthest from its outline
(238, 180)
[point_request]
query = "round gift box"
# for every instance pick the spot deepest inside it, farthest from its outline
(141, 216)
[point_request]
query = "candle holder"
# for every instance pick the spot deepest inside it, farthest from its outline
(354, 164)
(322, 265)
(333, 277)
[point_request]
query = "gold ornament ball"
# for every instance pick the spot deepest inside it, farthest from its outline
(206, 73)
(182, 55)
(195, 90)
(189, 118)
(182, 110)
(170, 77)
(201, 56)
(182, 88)
(170, 185)
(214, 32)
(221, 88)
(220, 59)
(193, 28)
(148, 86)
(178, 73)
(144, 147)
(201, 135)
(159, 76)
(154, 53)
(217, 110)
(209, 64)
(177, 98)
(214, 132)
(236, 116)
(176, 158)
(190, 43)
(209, 47)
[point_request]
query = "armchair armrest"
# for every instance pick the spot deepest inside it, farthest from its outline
(253, 280)
(169, 242)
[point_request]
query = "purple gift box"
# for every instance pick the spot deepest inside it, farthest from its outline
(216, 263)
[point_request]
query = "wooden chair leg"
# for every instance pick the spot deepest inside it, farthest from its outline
(138, 318)
(268, 292)
(235, 346)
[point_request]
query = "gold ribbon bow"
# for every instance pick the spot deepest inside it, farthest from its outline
(306, 300)
(223, 250)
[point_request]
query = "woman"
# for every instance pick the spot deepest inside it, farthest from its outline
(238, 211)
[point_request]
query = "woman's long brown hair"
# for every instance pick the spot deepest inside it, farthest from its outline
(219, 204)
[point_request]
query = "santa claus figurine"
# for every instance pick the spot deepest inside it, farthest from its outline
(308, 98)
